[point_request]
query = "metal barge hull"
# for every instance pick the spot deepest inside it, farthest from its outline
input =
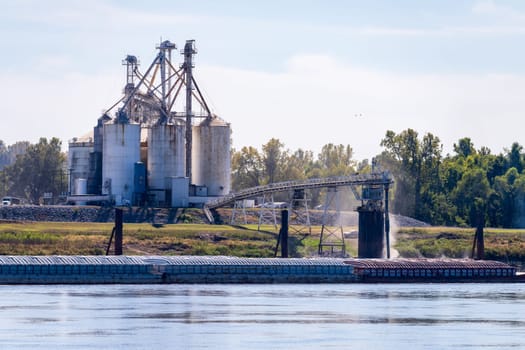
(222, 269)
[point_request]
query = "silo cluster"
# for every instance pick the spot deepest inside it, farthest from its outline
(139, 157)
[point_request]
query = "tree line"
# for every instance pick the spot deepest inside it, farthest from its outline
(452, 190)
(30, 170)
(455, 189)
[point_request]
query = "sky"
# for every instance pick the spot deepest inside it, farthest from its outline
(305, 72)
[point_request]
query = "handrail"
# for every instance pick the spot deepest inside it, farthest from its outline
(383, 178)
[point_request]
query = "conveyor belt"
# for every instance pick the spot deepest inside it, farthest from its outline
(352, 180)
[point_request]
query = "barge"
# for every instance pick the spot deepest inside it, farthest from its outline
(225, 269)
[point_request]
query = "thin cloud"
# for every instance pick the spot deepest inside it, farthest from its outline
(451, 31)
(309, 110)
(99, 12)
(498, 11)
(303, 106)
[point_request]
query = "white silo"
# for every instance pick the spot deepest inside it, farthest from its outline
(80, 189)
(211, 156)
(78, 160)
(80, 186)
(166, 157)
(121, 150)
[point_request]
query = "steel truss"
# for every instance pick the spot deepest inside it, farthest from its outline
(299, 214)
(332, 236)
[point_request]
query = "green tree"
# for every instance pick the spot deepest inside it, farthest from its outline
(464, 147)
(429, 184)
(298, 165)
(273, 159)
(497, 166)
(247, 168)
(40, 169)
(8, 154)
(4, 157)
(415, 165)
(472, 188)
(515, 158)
(509, 196)
(518, 219)
(336, 160)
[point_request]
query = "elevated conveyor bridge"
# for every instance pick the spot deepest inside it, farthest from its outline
(375, 187)
(373, 179)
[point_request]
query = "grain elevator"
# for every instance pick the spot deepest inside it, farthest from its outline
(158, 145)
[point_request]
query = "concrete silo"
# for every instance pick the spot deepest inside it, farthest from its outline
(152, 152)
(79, 161)
(211, 156)
(94, 185)
(166, 158)
(121, 150)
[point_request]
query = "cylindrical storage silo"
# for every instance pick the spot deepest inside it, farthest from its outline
(121, 150)
(166, 157)
(95, 158)
(80, 186)
(80, 189)
(78, 161)
(139, 175)
(211, 164)
(371, 234)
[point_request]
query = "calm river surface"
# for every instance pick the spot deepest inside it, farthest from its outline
(357, 316)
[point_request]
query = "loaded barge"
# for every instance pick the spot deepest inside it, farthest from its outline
(222, 269)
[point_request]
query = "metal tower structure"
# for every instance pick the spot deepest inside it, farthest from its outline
(299, 213)
(239, 206)
(131, 64)
(332, 235)
(189, 51)
(164, 61)
(156, 91)
(267, 215)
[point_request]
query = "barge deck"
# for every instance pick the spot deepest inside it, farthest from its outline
(225, 269)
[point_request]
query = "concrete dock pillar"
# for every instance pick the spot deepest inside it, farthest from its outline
(371, 233)
(284, 233)
(118, 231)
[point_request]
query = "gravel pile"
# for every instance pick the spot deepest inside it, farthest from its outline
(405, 221)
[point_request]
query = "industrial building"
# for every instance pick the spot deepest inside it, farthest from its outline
(159, 145)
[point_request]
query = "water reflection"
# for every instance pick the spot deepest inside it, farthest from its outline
(263, 316)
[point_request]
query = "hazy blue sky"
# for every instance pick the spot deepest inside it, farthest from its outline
(299, 71)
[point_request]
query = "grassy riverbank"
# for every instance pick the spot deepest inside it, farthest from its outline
(59, 238)
(48, 238)
(71, 238)
(507, 245)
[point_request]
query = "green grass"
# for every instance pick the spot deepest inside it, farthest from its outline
(46, 238)
(434, 242)
(54, 238)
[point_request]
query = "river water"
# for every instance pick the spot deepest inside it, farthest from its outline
(319, 316)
